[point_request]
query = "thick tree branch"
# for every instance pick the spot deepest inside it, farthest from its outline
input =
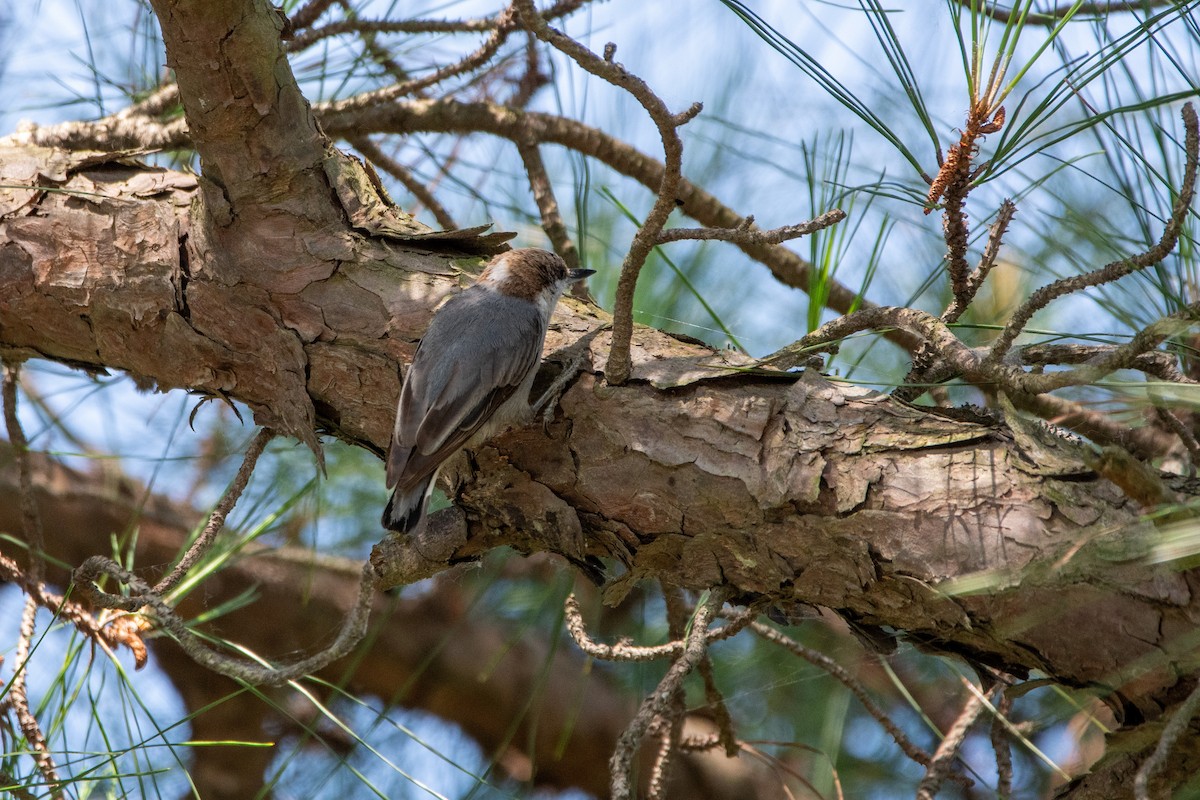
(518, 126)
(781, 490)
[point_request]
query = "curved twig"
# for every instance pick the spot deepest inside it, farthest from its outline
(619, 365)
(18, 697)
(1117, 269)
(242, 669)
(694, 648)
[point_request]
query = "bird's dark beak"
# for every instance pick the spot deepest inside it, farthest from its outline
(576, 275)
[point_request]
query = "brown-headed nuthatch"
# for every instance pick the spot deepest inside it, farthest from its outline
(472, 373)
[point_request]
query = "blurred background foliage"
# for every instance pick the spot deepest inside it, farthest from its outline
(808, 106)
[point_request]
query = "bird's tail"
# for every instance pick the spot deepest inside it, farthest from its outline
(405, 510)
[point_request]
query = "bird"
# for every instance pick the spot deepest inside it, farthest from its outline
(471, 375)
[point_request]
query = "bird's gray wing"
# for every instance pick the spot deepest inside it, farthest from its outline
(475, 355)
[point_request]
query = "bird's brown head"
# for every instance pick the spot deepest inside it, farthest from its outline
(529, 272)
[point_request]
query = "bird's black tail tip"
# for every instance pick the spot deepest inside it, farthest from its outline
(404, 513)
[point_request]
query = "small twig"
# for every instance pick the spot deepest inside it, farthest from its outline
(668, 724)
(1174, 728)
(926, 370)
(532, 78)
(382, 55)
(726, 736)
(241, 669)
(669, 728)
(1117, 269)
(1160, 364)
(939, 768)
(1054, 16)
(748, 235)
(846, 679)
(31, 520)
(310, 37)
(619, 365)
(1000, 746)
(625, 651)
(1119, 357)
(157, 102)
(391, 166)
(919, 324)
(143, 595)
(505, 25)
(547, 203)
(1185, 434)
(959, 359)
(309, 13)
(204, 542)
(216, 520)
(306, 17)
(986, 262)
(104, 633)
(695, 645)
(18, 698)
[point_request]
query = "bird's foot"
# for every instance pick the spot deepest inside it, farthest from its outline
(548, 402)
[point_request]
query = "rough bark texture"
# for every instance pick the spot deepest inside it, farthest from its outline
(789, 490)
(283, 278)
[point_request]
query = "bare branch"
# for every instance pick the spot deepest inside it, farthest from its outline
(918, 324)
(1175, 728)
(990, 253)
(143, 595)
(962, 360)
(161, 100)
(669, 728)
(18, 697)
(846, 679)
(943, 757)
(1185, 434)
(251, 671)
(380, 53)
(1120, 357)
(1056, 15)
(619, 364)
(695, 645)
(547, 203)
(1162, 365)
(625, 651)
(1117, 269)
(746, 234)
(109, 633)
(216, 520)
(360, 26)
(505, 25)
(450, 116)
(309, 13)
(716, 703)
(1000, 746)
(391, 166)
(204, 542)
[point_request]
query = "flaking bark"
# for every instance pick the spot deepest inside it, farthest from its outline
(785, 489)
